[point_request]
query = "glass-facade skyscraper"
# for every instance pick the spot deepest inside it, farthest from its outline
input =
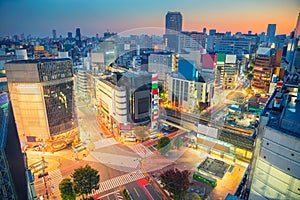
(43, 100)
(78, 37)
(271, 33)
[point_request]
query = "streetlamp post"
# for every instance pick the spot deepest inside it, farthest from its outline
(45, 183)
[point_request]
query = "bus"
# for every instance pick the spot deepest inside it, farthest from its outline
(205, 179)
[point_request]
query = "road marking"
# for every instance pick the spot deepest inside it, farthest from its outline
(118, 181)
(105, 142)
(56, 178)
(113, 159)
(136, 192)
(141, 150)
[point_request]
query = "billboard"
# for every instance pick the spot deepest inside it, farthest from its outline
(220, 58)
(208, 61)
(230, 59)
(38, 48)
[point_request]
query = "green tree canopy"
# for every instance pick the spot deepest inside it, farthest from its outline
(178, 142)
(163, 95)
(176, 182)
(85, 180)
(141, 132)
(250, 76)
(164, 145)
(66, 190)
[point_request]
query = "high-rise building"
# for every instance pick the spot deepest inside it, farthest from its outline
(266, 61)
(43, 100)
(70, 35)
(187, 94)
(294, 50)
(78, 37)
(297, 33)
(54, 34)
(125, 100)
(173, 29)
(173, 22)
(227, 70)
(14, 184)
(274, 172)
(271, 33)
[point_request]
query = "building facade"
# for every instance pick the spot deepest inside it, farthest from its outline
(271, 33)
(126, 100)
(192, 40)
(266, 61)
(275, 166)
(187, 94)
(173, 22)
(43, 100)
(233, 45)
(112, 106)
(15, 183)
(162, 64)
(226, 71)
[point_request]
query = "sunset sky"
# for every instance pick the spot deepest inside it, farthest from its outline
(39, 17)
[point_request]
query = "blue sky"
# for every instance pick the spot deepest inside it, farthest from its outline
(39, 17)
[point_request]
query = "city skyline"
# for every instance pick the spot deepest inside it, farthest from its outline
(40, 18)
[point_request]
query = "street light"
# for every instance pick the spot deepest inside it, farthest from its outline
(43, 176)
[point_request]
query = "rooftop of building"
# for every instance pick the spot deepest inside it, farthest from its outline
(180, 76)
(162, 53)
(283, 108)
(33, 61)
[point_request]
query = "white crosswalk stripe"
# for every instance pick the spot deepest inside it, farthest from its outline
(55, 178)
(104, 143)
(118, 181)
(113, 159)
(118, 195)
(141, 150)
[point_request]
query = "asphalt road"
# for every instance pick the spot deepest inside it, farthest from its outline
(136, 191)
(111, 159)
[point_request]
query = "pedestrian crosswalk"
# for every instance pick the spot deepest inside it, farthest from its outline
(119, 181)
(113, 159)
(55, 178)
(141, 150)
(104, 143)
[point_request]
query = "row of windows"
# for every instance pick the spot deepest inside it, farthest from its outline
(55, 70)
(59, 105)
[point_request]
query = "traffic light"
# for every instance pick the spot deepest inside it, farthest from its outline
(42, 174)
